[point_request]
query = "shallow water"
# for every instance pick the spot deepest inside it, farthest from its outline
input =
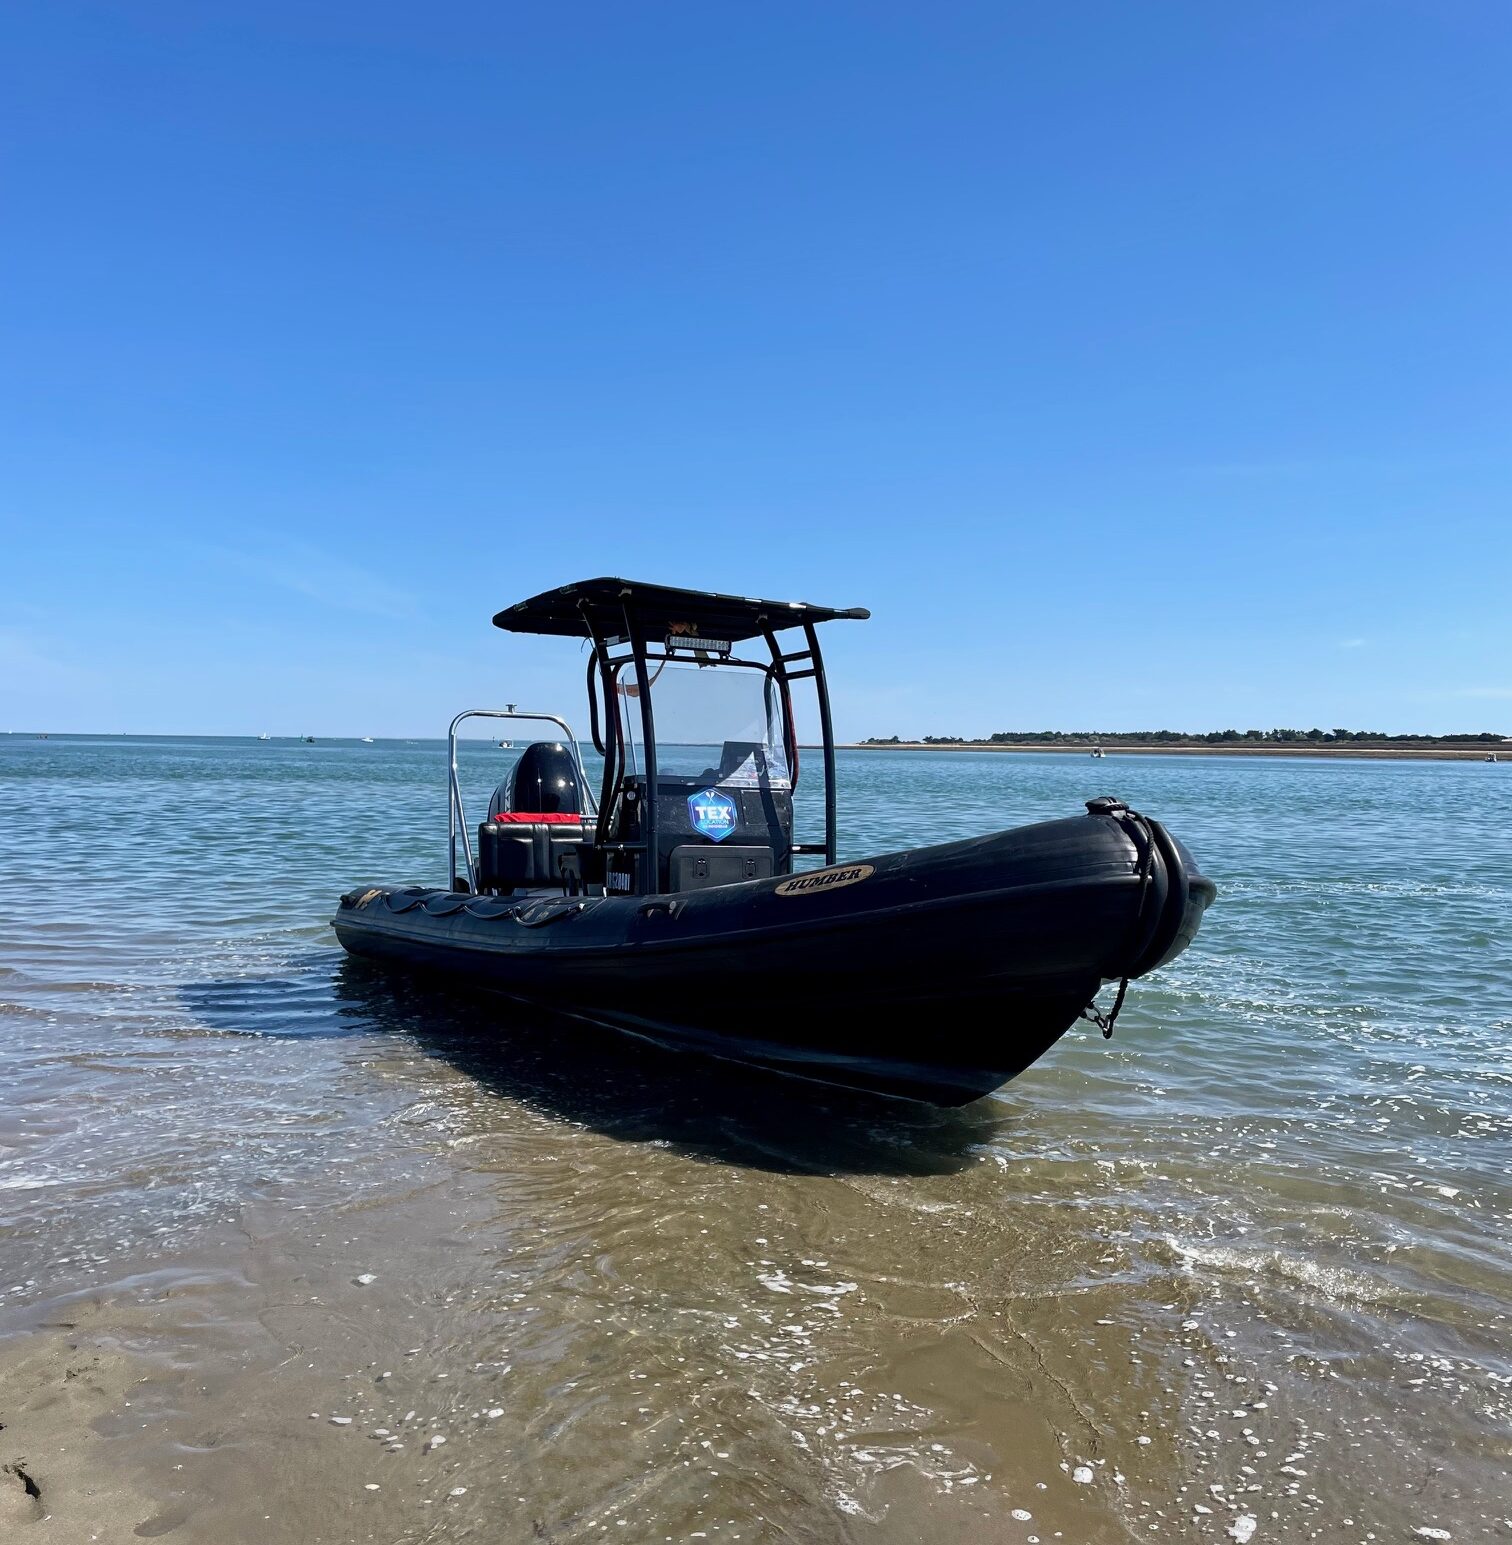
(1244, 1270)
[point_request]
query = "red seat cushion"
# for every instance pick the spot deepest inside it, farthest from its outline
(544, 818)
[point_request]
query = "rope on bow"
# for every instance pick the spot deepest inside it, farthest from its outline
(1137, 827)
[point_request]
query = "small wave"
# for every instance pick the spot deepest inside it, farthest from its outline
(1339, 1284)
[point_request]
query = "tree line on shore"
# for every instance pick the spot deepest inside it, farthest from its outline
(1180, 738)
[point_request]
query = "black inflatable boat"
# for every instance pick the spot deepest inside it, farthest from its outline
(675, 905)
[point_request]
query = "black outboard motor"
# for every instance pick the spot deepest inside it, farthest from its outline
(534, 817)
(544, 782)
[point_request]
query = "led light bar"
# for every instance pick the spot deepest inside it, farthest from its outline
(698, 642)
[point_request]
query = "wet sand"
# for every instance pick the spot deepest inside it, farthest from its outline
(594, 1332)
(692, 1357)
(676, 1311)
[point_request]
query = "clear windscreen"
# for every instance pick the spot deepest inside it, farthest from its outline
(719, 724)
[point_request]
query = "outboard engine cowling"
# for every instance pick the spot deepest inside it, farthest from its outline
(544, 782)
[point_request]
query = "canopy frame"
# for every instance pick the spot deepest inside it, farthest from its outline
(627, 647)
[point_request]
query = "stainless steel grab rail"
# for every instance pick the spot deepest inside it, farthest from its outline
(456, 816)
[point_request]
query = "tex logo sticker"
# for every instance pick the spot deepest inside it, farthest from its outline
(712, 814)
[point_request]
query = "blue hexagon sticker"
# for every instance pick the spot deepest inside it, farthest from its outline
(712, 814)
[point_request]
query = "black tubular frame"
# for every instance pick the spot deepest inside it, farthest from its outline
(813, 671)
(827, 729)
(647, 876)
(610, 740)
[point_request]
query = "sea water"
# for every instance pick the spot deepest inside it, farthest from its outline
(272, 1222)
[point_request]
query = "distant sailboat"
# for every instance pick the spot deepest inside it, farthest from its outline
(265, 737)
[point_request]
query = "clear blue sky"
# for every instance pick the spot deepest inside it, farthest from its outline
(1137, 364)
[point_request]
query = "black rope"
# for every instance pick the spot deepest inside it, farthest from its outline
(1105, 1022)
(1137, 823)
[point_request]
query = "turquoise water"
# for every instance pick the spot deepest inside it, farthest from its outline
(1265, 1229)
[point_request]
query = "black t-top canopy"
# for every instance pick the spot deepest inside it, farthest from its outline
(658, 610)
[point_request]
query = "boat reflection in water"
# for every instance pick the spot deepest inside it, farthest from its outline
(640, 1092)
(524, 1055)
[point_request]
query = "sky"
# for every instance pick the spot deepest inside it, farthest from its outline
(1139, 366)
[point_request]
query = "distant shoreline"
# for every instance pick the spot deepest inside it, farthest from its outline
(1311, 749)
(1374, 753)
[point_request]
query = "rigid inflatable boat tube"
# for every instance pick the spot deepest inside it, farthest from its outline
(1178, 892)
(1153, 880)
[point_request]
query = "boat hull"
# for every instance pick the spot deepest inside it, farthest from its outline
(934, 974)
